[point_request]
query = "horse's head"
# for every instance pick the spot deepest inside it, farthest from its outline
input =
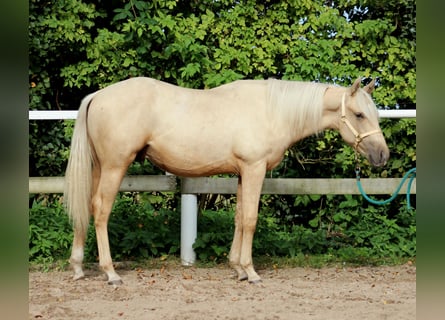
(359, 125)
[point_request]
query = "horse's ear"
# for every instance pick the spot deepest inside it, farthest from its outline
(355, 86)
(369, 88)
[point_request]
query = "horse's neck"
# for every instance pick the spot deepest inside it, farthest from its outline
(331, 108)
(330, 115)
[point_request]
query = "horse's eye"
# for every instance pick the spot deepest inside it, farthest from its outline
(359, 115)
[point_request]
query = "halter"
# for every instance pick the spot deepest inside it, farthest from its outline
(358, 136)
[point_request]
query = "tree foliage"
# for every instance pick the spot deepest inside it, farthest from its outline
(76, 48)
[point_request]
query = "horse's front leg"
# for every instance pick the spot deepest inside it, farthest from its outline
(235, 250)
(252, 179)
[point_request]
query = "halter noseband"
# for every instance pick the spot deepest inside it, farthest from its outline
(358, 136)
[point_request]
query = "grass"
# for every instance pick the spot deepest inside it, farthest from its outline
(261, 263)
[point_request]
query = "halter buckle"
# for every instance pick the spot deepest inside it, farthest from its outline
(357, 171)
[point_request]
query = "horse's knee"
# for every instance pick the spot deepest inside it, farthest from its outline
(248, 233)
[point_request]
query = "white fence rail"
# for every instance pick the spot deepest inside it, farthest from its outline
(190, 187)
(72, 114)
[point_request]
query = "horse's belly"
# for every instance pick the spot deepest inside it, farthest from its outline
(189, 163)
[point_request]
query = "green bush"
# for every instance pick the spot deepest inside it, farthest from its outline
(202, 44)
(49, 232)
(140, 229)
(365, 235)
(136, 230)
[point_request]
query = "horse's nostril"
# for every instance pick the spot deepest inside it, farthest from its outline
(380, 158)
(384, 155)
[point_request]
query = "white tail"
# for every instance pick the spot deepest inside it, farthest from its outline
(78, 176)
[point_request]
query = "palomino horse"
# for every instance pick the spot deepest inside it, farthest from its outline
(243, 128)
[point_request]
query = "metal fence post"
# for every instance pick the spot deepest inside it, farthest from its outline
(189, 221)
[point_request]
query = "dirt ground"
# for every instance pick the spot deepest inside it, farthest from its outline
(176, 292)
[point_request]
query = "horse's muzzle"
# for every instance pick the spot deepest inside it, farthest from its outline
(380, 157)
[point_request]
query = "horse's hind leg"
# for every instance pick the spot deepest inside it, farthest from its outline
(102, 203)
(76, 258)
(77, 252)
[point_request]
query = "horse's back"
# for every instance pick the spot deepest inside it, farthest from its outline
(186, 131)
(146, 100)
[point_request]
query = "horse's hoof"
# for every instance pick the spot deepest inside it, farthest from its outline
(243, 278)
(78, 277)
(257, 281)
(115, 282)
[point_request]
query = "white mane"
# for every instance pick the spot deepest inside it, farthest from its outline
(295, 103)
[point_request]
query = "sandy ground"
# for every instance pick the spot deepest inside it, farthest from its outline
(176, 292)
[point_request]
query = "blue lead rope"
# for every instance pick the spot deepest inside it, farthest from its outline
(411, 173)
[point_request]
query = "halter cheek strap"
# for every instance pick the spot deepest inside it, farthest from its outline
(358, 136)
